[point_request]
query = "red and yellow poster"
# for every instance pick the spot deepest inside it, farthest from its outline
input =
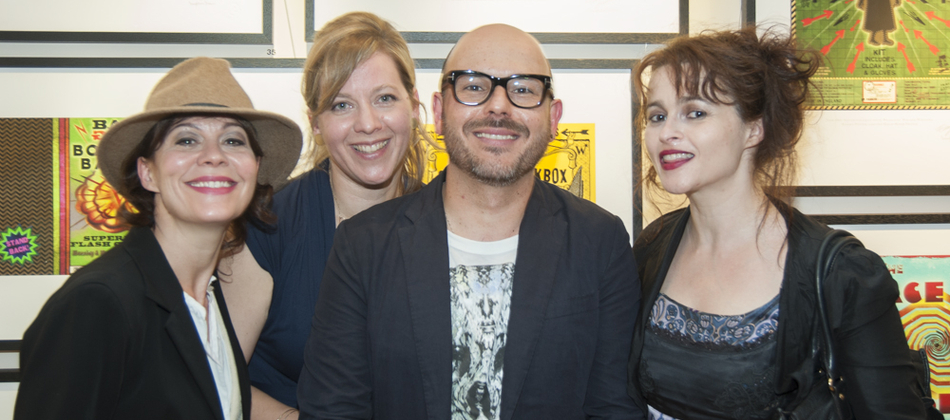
(58, 213)
(91, 203)
(567, 163)
(925, 311)
(878, 54)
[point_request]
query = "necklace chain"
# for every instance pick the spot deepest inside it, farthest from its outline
(340, 217)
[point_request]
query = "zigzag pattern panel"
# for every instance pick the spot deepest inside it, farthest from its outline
(26, 189)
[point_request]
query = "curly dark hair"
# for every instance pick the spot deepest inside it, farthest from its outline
(142, 212)
(763, 77)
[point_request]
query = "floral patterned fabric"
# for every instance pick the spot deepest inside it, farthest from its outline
(699, 365)
(693, 327)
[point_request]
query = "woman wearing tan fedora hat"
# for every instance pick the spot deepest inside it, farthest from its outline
(143, 331)
(359, 86)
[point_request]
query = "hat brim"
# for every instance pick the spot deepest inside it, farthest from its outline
(278, 136)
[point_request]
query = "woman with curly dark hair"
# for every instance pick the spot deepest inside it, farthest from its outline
(726, 326)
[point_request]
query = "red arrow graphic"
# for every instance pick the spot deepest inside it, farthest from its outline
(902, 26)
(920, 35)
(931, 16)
(860, 49)
(903, 50)
(838, 35)
(826, 15)
(856, 25)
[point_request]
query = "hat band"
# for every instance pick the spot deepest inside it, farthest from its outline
(204, 104)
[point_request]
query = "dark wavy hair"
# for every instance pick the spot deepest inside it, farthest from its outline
(763, 77)
(143, 200)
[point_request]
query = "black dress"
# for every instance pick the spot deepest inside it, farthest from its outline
(698, 365)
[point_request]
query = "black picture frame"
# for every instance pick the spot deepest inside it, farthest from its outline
(263, 38)
(9, 375)
(542, 37)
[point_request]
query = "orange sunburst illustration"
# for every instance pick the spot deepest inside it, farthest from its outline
(100, 203)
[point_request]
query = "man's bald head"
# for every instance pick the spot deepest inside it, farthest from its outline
(500, 50)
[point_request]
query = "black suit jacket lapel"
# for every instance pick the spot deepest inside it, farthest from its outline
(162, 287)
(427, 281)
(540, 246)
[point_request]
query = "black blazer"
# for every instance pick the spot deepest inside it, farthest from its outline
(117, 342)
(879, 379)
(381, 344)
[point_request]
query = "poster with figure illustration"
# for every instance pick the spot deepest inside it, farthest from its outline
(925, 312)
(568, 162)
(878, 54)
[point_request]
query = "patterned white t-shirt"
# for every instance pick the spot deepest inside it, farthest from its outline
(481, 276)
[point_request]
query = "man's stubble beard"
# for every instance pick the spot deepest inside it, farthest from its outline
(494, 173)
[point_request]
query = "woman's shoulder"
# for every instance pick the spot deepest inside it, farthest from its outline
(311, 185)
(95, 291)
(858, 274)
(304, 206)
(113, 273)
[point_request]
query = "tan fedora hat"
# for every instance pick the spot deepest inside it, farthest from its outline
(203, 85)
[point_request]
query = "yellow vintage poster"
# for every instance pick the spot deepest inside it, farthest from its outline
(568, 162)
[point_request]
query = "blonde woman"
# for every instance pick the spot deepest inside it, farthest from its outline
(359, 85)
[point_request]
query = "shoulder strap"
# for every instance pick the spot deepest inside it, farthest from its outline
(827, 255)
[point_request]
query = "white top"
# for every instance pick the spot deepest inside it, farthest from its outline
(214, 338)
(464, 251)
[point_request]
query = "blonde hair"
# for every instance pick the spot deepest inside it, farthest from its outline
(341, 46)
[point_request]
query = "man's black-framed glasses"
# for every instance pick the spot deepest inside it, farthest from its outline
(475, 88)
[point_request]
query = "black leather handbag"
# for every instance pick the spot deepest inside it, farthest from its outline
(825, 399)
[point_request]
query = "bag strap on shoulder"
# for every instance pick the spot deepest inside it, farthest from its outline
(827, 255)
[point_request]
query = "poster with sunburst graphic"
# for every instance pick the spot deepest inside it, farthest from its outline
(877, 54)
(92, 204)
(568, 161)
(925, 311)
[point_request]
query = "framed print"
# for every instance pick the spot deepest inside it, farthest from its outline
(879, 54)
(67, 109)
(854, 207)
(63, 214)
(138, 21)
(875, 147)
(556, 21)
(923, 281)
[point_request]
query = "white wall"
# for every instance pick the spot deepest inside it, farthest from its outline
(21, 296)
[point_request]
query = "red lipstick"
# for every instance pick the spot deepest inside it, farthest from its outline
(672, 159)
(213, 185)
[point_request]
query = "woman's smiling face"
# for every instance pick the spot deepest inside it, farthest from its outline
(694, 143)
(369, 127)
(204, 172)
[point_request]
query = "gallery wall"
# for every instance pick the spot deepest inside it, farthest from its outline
(847, 156)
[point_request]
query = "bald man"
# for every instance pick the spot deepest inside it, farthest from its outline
(488, 294)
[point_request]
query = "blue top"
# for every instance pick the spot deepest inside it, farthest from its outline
(295, 254)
